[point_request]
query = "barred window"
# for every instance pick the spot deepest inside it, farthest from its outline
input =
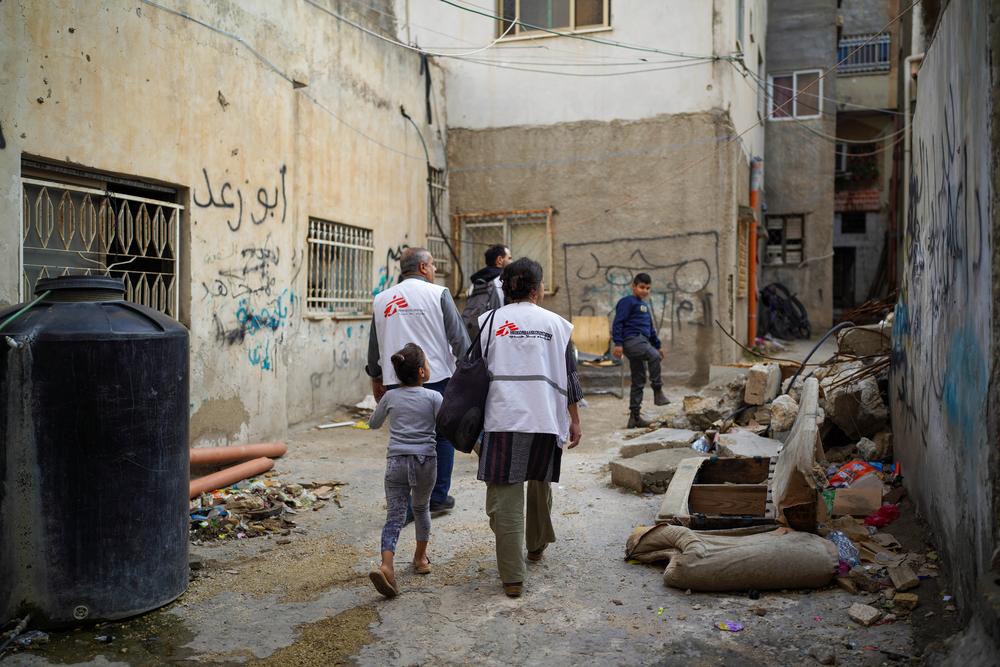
(526, 233)
(873, 56)
(339, 269)
(84, 228)
(784, 238)
(437, 222)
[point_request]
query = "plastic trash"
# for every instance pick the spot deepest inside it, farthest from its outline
(883, 516)
(32, 637)
(846, 551)
(702, 445)
(729, 626)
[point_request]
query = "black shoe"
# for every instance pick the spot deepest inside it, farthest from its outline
(659, 398)
(443, 506)
(635, 420)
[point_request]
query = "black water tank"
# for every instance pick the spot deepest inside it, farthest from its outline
(93, 456)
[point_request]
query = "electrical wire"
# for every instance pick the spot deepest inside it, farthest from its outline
(572, 35)
(764, 85)
(585, 74)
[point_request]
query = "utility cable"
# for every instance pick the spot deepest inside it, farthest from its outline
(764, 84)
(687, 63)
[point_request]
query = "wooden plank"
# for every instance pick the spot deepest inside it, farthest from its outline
(591, 334)
(734, 470)
(727, 499)
(674, 508)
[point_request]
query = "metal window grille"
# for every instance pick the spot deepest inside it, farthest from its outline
(872, 57)
(339, 268)
(436, 241)
(551, 14)
(75, 230)
(526, 233)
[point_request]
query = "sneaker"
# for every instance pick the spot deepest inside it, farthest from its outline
(659, 398)
(635, 420)
(443, 506)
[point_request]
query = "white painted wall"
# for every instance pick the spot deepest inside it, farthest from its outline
(491, 95)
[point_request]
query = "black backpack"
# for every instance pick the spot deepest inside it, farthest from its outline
(483, 299)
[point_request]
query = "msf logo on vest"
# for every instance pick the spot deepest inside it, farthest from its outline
(506, 328)
(394, 306)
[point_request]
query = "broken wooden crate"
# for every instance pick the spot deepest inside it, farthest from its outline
(714, 493)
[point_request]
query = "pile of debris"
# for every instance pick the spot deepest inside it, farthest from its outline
(802, 449)
(255, 507)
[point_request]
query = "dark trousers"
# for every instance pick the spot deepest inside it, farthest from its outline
(446, 454)
(640, 353)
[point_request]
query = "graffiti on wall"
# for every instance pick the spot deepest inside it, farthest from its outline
(683, 267)
(346, 354)
(940, 360)
(388, 272)
(264, 207)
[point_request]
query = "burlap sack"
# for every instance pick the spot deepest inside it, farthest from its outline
(712, 561)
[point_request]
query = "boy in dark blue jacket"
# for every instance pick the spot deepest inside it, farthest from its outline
(634, 335)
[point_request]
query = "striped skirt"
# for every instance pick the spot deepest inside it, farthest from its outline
(509, 458)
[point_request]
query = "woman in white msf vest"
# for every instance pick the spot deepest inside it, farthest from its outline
(531, 415)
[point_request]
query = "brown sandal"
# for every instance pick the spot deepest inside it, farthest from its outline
(423, 569)
(536, 555)
(382, 584)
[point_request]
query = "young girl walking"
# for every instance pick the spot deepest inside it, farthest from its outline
(411, 463)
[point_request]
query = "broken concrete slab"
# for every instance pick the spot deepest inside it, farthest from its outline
(903, 578)
(865, 341)
(784, 409)
(745, 444)
(661, 438)
(703, 411)
(651, 471)
(763, 384)
(856, 407)
(907, 601)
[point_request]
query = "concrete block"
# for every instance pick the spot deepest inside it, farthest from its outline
(903, 578)
(907, 601)
(661, 438)
(865, 341)
(763, 384)
(863, 614)
(651, 471)
(784, 409)
(747, 444)
(857, 406)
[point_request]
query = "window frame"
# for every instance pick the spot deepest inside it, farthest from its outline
(520, 33)
(502, 218)
(358, 243)
(795, 100)
(784, 217)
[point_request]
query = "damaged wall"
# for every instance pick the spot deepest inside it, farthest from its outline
(943, 355)
(132, 89)
(677, 235)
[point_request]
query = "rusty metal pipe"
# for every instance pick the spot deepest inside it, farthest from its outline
(210, 455)
(227, 476)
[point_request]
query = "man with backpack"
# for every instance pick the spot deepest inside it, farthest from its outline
(485, 294)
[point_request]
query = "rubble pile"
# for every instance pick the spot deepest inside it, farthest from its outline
(257, 506)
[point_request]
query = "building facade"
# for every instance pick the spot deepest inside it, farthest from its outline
(601, 156)
(244, 166)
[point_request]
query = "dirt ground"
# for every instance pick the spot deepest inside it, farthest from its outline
(309, 602)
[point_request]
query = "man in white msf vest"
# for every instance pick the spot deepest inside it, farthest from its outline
(417, 311)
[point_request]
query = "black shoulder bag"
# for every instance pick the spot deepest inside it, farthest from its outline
(463, 410)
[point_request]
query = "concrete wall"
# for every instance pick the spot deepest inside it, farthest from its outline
(944, 352)
(875, 89)
(682, 231)
(131, 89)
(798, 164)
(867, 251)
(497, 91)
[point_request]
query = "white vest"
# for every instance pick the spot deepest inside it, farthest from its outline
(527, 359)
(410, 312)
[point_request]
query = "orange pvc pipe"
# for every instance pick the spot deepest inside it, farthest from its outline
(209, 455)
(227, 476)
(752, 286)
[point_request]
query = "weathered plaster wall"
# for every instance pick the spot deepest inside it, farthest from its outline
(942, 355)
(874, 89)
(679, 225)
(799, 165)
(867, 251)
(136, 90)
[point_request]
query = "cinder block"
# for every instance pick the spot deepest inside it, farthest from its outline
(763, 384)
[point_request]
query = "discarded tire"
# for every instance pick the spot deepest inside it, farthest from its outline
(93, 456)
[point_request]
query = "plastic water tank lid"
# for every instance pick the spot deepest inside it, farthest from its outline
(96, 287)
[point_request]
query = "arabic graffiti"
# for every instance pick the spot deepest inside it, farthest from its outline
(388, 273)
(267, 205)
